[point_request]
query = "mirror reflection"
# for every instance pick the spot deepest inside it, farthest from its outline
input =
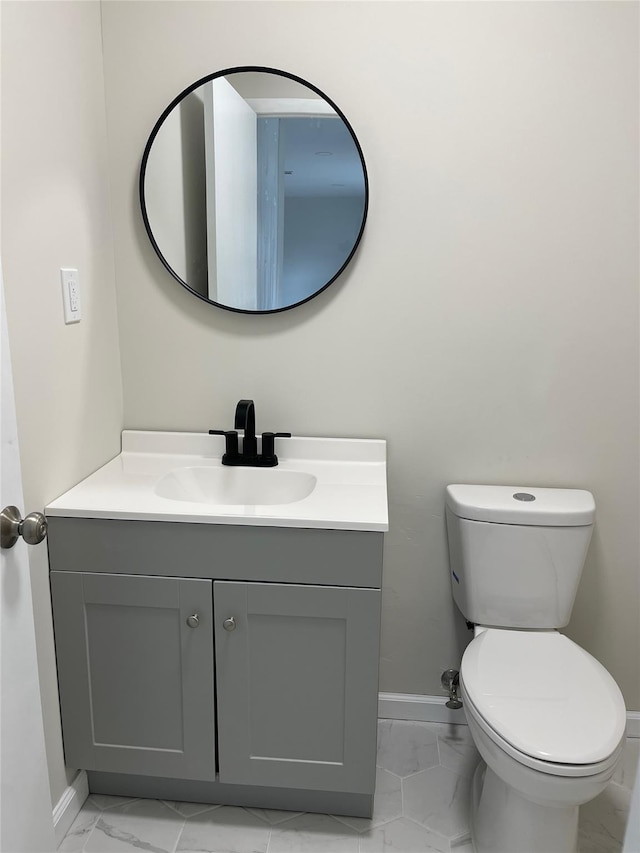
(253, 190)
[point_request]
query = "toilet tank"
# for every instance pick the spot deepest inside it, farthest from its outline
(516, 553)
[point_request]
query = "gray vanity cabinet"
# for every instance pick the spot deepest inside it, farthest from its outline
(136, 680)
(250, 680)
(296, 685)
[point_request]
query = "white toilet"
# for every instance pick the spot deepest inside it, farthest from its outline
(547, 718)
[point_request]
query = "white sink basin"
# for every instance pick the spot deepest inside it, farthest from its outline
(234, 486)
(327, 483)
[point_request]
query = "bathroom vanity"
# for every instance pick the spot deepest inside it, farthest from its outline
(223, 652)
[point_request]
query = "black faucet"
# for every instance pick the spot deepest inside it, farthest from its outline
(245, 419)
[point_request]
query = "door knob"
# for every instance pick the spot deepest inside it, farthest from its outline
(229, 624)
(193, 621)
(33, 528)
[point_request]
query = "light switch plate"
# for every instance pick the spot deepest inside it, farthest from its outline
(71, 295)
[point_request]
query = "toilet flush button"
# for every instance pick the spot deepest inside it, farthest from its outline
(524, 496)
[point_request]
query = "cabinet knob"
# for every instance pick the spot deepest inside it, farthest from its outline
(193, 621)
(229, 624)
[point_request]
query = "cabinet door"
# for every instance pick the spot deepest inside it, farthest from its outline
(136, 681)
(297, 685)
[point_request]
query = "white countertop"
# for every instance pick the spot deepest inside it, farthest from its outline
(350, 493)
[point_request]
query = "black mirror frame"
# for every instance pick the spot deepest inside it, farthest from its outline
(145, 158)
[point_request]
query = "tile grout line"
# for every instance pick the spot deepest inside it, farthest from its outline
(125, 802)
(184, 823)
(86, 841)
(432, 831)
(102, 810)
(93, 826)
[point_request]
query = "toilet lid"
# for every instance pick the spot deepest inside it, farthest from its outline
(544, 695)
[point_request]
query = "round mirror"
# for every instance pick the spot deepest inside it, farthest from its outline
(254, 190)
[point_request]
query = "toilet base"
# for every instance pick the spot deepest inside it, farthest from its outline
(502, 821)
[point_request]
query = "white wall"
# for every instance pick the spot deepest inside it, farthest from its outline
(258, 85)
(56, 214)
(164, 193)
(488, 327)
(175, 197)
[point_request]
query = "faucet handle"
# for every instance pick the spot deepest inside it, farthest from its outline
(230, 442)
(268, 458)
(268, 449)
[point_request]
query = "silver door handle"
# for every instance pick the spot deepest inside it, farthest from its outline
(33, 528)
(229, 624)
(193, 621)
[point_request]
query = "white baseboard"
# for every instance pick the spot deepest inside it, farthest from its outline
(69, 805)
(432, 709)
(415, 706)
(633, 723)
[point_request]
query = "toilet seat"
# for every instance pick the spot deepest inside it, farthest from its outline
(544, 700)
(549, 767)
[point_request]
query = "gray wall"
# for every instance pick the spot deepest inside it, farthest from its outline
(56, 213)
(488, 327)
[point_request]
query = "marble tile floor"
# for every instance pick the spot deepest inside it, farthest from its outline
(421, 805)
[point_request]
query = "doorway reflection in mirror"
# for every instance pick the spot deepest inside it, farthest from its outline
(254, 194)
